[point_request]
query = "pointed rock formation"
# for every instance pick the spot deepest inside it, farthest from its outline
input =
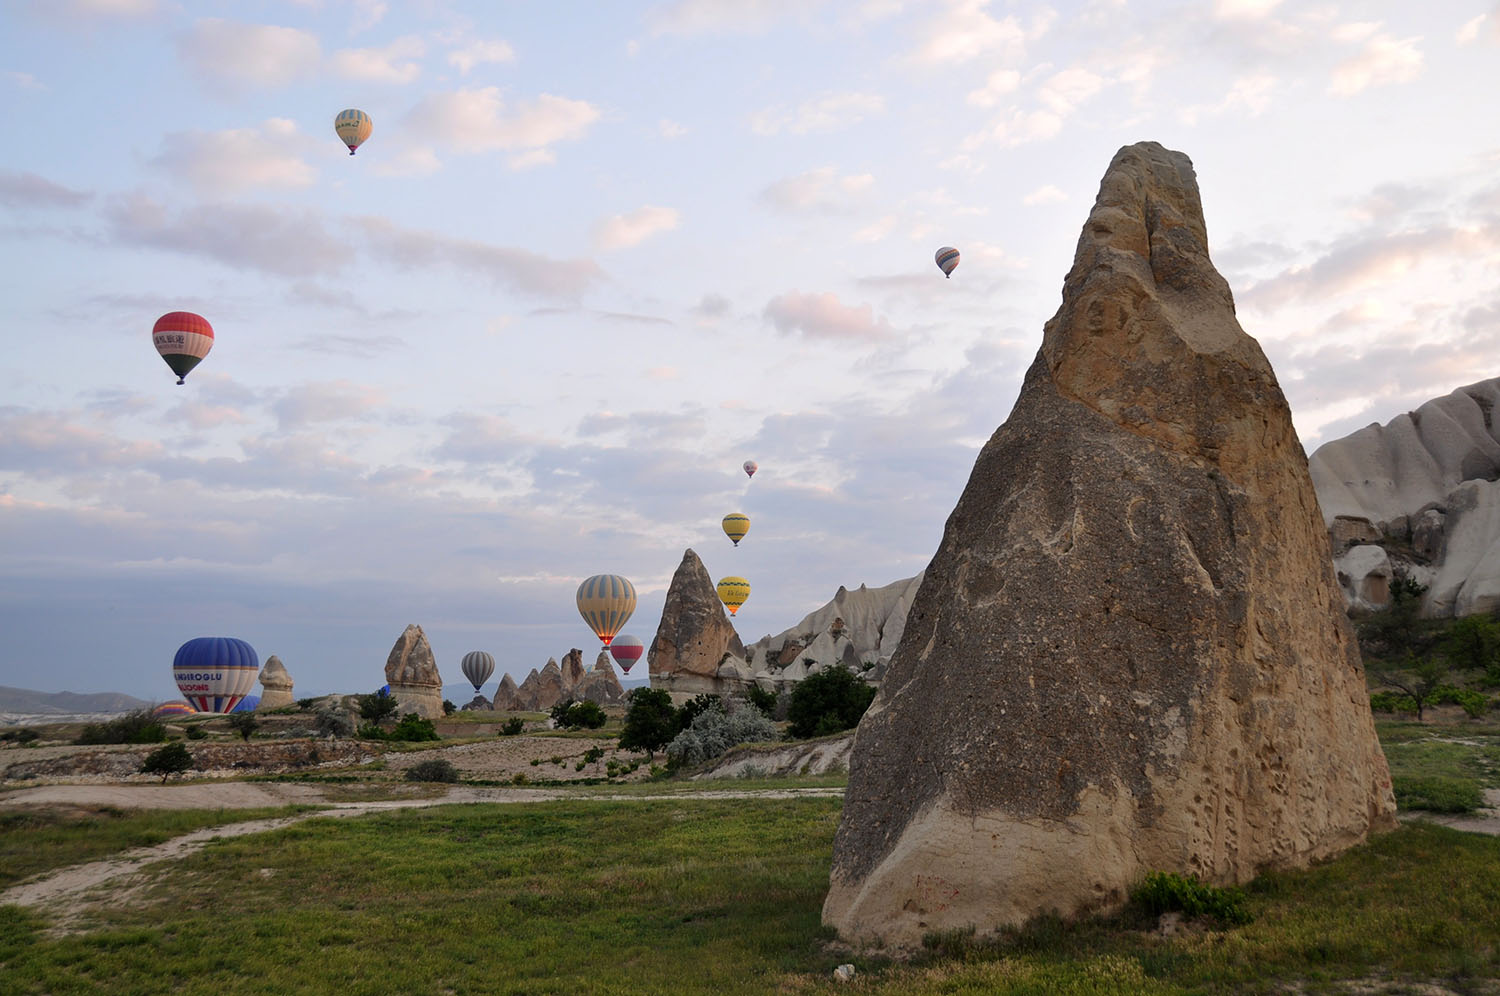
(600, 684)
(412, 672)
(1129, 652)
(505, 695)
(479, 703)
(275, 685)
(694, 635)
(529, 694)
(572, 672)
(549, 686)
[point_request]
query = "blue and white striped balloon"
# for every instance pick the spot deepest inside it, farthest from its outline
(947, 260)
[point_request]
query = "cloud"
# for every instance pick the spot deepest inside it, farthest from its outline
(325, 401)
(1021, 128)
(227, 162)
(1384, 59)
(20, 189)
(480, 52)
(622, 231)
(394, 63)
(965, 31)
(280, 241)
(261, 55)
(479, 120)
(712, 306)
(1047, 194)
(1063, 92)
(1244, 10)
(1250, 94)
(825, 113)
(818, 190)
(109, 8)
(24, 81)
(1000, 83)
(668, 128)
(698, 17)
(824, 316)
(1474, 28)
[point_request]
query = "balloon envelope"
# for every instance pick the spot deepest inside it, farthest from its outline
(353, 127)
(477, 667)
(751, 467)
(733, 591)
(626, 650)
(247, 704)
(606, 601)
(215, 672)
(176, 707)
(183, 339)
(736, 525)
(947, 260)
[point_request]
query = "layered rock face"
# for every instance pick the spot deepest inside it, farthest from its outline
(694, 635)
(600, 684)
(412, 672)
(1419, 497)
(506, 694)
(858, 630)
(1129, 652)
(275, 685)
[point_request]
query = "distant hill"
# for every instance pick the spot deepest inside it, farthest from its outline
(23, 700)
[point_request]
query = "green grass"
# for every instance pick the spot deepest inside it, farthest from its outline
(33, 841)
(711, 896)
(1441, 768)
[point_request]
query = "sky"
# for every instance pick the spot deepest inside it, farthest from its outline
(596, 255)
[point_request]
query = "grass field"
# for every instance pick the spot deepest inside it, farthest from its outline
(1441, 768)
(710, 896)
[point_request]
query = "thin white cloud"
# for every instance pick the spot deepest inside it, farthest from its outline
(22, 189)
(480, 52)
(24, 81)
(109, 8)
(367, 14)
(394, 63)
(965, 31)
(480, 120)
(408, 160)
(1480, 26)
(1044, 195)
(326, 401)
(1250, 95)
(227, 162)
(1384, 59)
(262, 55)
(668, 128)
(1063, 92)
(824, 113)
(1000, 83)
(824, 316)
(1244, 10)
(622, 231)
(819, 190)
(698, 17)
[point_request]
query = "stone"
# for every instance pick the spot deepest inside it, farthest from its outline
(1427, 533)
(694, 635)
(505, 695)
(412, 672)
(1364, 573)
(478, 703)
(571, 671)
(871, 618)
(1347, 530)
(275, 685)
(549, 686)
(1129, 652)
(844, 973)
(529, 694)
(601, 684)
(1467, 579)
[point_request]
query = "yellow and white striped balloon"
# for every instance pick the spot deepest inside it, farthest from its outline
(606, 601)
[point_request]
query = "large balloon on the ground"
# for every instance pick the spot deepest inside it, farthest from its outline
(215, 672)
(353, 127)
(247, 704)
(733, 592)
(947, 260)
(478, 666)
(736, 525)
(606, 601)
(750, 467)
(183, 339)
(169, 710)
(626, 650)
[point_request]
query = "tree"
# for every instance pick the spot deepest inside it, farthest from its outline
(1416, 676)
(650, 721)
(763, 700)
(167, 761)
(243, 723)
(827, 702)
(449, 708)
(377, 706)
(1397, 630)
(584, 715)
(695, 707)
(1473, 643)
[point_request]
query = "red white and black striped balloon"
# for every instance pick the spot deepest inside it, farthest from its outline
(183, 339)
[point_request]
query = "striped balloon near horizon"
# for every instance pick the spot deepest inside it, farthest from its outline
(215, 672)
(183, 339)
(626, 650)
(606, 601)
(477, 667)
(947, 260)
(733, 592)
(176, 707)
(353, 127)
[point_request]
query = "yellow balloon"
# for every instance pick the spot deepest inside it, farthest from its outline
(606, 601)
(733, 591)
(353, 127)
(736, 525)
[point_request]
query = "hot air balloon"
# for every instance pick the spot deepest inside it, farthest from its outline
(183, 339)
(751, 467)
(353, 127)
(606, 601)
(176, 707)
(215, 672)
(626, 650)
(947, 260)
(247, 704)
(733, 592)
(736, 525)
(477, 667)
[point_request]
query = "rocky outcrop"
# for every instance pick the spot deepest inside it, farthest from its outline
(506, 695)
(412, 672)
(478, 703)
(694, 636)
(1129, 652)
(529, 695)
(1406, 486)
(600, 684)
(275, 685)
(549, 686)
(572, 672)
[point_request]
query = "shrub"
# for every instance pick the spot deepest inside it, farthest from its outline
(695, 707)
(1473, 643)
(167, 761)
(413, 727)
(592, 754)
(332, 722)
(435, 770)
(138, 727)
(828, 702)
(1167, 892)
(1392, 702)
(512, 726)
(243, 723)
(305, 703)
(1473, 703)
(650, 720)
(1437, 794)
(716, 730)
(20, 736)
(376, 706)
(196, 733)
(763, 700)
(449, 708)
(570, 715)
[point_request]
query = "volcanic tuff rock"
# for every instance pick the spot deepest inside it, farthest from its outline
(529, 694)
(572, 671)
(412, 672)
(600, 684)
(1129, 652)
(275, 685)
(506, 694)
(694, 635)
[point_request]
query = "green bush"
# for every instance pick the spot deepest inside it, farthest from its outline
(763, 700)
(512, 726)
(695, 707)
(1392, 702)
(716, 730)
(305, 703)
(196, 733)
(138, 727)
(369, 731)
(827, 702)
(333, 722)
(1168, 892)
(435, 770)
(376, 706)
(243, 723)
(167, 761)
(650, 720)
(413, 727)
(1437, 794)
(1473, 703)
(570, 715)
(1473, 643)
